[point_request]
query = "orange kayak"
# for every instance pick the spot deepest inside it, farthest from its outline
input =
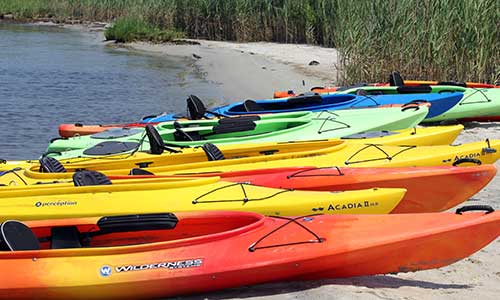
(77, 129)
(429, 189)
(162, 255)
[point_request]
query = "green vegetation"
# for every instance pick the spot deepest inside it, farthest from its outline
(423, 39)
(129, 29)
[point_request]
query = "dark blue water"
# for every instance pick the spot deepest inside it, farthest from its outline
(51, 75)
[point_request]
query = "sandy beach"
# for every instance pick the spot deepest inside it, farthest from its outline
(255, 70)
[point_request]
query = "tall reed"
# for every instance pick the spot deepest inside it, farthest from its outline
(424, 39)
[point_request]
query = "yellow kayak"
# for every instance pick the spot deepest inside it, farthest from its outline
(274, 155)
(136, 196)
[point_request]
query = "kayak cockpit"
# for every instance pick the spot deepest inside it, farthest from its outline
(119, 231)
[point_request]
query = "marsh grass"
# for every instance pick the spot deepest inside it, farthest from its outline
(423, 39)
(129, 29)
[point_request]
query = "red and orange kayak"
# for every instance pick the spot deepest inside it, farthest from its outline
(161, 255)
(429, 189)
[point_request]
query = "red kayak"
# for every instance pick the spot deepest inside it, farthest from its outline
(164, 255)
(429, 189)
(77, 129)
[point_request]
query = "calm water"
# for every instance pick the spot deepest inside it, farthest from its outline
(51, 75)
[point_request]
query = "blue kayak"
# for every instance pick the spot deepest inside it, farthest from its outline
(440, 103)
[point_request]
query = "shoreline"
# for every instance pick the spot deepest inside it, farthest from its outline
(240, 67)
(237, 68)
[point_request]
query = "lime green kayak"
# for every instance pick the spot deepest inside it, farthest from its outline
(476, 102)
(295, 126)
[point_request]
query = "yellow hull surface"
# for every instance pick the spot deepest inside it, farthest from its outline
(39, 202)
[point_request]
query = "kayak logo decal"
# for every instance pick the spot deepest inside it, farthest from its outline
(106, 271)
(352, 205)
(470, 155)
(55, 203)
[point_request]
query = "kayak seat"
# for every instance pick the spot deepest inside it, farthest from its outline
(139, 171)
(423, 89)
(361, 92)
(395, 79)
(156, 144)
(89, 178)
(234, 126)
(110, 147)
(238, 119)
(304, 99)
(181, 135)
(251, 105)
(212, 152)
(16, 236)
(51, 165)
(195, 107)
(137, 222)
(65, 237)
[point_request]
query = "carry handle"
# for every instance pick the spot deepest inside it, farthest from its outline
(486, 208)
(467, 160)
(408, 106)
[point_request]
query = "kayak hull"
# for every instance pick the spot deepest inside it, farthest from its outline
(64, 200)
(429, 189)
(351, 245)
(439, 103)
(274, 155)
(476, 103)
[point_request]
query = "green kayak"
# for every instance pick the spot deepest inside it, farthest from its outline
(476, 102)
(294, 126)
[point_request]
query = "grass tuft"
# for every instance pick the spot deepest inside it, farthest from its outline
(129, 29)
